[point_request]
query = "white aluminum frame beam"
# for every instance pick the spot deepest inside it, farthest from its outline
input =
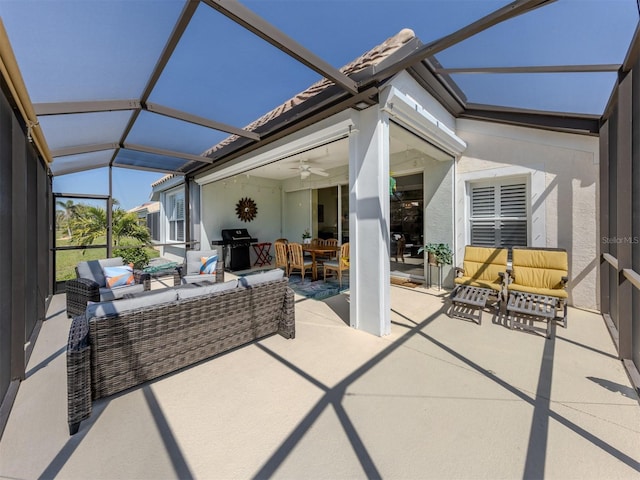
(166, 153)
(148, 169)
(204, 122)
(539, 69)
(500, 15)
(69, 108)
(79, 149)
(263, 29)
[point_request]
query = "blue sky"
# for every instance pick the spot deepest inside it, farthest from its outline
(104, 49)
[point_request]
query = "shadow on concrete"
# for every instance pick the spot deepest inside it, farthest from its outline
(45, 362)
(623, 390)
(541, 403)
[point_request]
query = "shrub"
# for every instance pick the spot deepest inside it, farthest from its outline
(139, 256)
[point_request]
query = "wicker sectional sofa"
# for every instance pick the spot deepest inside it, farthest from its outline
(113, 347)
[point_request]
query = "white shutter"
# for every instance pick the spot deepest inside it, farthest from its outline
(483, 203)
(176, 217)
(499, 215)
(513, 200)
(513, 215)
(483, 212)
(179, 207)
(483, 233)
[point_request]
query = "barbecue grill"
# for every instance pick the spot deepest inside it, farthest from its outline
(235, 248)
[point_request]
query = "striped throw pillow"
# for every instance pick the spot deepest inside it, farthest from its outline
(208, 265)
(119, 276)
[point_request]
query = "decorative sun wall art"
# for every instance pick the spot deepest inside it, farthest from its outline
(246, 209)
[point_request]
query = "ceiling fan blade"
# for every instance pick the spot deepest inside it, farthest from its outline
(318, 171)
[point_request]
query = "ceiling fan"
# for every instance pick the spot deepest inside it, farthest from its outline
(306, 170)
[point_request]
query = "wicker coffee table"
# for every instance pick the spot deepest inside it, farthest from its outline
(469, 302)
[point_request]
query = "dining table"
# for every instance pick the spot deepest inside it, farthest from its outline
(319, 250)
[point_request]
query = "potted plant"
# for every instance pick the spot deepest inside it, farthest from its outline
(306, 236)
(438, 253)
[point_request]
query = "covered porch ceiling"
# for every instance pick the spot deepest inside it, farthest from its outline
(174, 86)
(402, 144)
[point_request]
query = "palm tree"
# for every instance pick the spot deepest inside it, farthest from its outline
(125, 225)
(90, 223)
(68, 211)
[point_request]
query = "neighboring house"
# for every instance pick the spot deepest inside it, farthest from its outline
(149, 216)
(458, 181)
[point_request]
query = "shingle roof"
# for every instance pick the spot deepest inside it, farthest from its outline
(369, 59)
(163, 179)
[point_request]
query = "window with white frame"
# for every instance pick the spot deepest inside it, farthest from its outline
(175, 215)
(499, 213)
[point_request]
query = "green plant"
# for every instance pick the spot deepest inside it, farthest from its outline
(139, 256)
(440, 251)
(89, 222)
(306, 234)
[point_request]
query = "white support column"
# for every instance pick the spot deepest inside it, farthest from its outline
(370, 307)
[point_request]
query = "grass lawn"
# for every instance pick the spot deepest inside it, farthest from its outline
(66, 260)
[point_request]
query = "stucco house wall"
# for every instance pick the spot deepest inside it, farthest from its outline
(218, 209)
(562, 173)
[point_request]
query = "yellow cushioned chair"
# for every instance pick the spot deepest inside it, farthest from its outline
(481, 277)
(540, 271)
(483, 267)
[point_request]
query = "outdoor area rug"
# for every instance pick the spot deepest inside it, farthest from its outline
(318, 290)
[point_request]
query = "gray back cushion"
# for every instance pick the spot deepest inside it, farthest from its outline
(145, 299)
(184, 293)
(198, 278)
(107, 293)
(194, 262)
(92, 269)
(258, 278)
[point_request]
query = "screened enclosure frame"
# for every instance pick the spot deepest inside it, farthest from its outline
(342, 92)
(28, 163)
(620, 215)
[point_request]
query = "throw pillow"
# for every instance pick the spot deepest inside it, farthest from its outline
(208, 265)
(119, 276)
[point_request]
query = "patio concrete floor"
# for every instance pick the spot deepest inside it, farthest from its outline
(438, 398)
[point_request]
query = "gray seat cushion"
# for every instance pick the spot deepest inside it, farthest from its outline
(193, 260)
(107, 294)
(258, 278)
(147, 299)
(184, 293)
(92, 269)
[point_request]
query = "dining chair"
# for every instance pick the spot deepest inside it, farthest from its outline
(297, 261)
(331, 242)
(282, 257)
(338, 265)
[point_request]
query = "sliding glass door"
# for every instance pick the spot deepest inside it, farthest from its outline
(332, 213)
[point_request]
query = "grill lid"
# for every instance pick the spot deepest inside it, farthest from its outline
(231, 235)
